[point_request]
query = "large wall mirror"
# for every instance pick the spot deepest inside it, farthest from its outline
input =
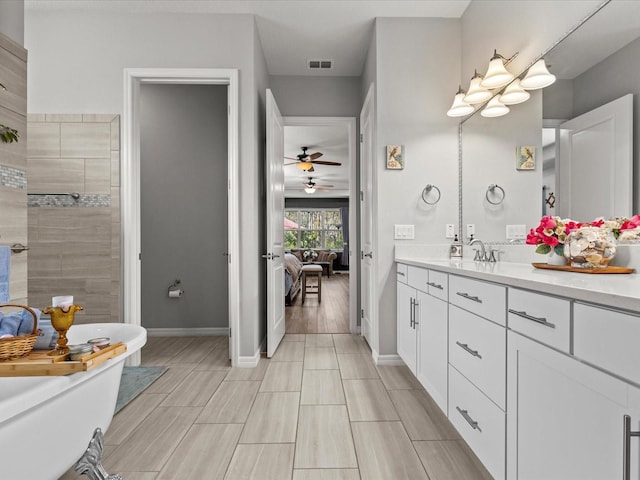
(583, 129)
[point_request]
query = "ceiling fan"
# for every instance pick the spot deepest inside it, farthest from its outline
(311, 186)
(305, 161)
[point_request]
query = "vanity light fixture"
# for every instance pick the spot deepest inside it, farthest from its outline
(537, 77)
(476, 93)
(495, 108)
(460, 108)
(497, 75)
(514, 94)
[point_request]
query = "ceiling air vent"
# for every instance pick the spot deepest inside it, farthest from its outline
(316, 64)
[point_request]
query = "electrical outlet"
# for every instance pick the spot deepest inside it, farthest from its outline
(449, 232)
(471, 229)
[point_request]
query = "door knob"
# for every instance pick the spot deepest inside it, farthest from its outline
(362, 255)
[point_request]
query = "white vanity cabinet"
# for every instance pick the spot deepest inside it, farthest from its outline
(422, 327)
(566, 419)
(406, 319)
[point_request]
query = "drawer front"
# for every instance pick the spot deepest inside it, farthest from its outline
(482, 298)
(479, 421)
(438, 285)
(401, 272)
(418, 277)
(477, 348)
(608, 339)
(541, 317)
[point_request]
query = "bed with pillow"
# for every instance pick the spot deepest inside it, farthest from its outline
(292, 277)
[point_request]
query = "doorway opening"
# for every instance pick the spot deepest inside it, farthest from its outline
(131, 214)
(320, 225)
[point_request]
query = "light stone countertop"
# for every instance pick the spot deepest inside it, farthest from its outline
(620, 291)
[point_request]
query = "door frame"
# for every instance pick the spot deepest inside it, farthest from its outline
(354, 229)
(130, 188)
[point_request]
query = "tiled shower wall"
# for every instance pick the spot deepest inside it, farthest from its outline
(75, 244)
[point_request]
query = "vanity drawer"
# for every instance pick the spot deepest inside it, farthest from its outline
(608, 339)
(477, 348)
(401, 272)
(418, 277)
(438, 285)
(541, 317)
(482, 298)
(479, 421)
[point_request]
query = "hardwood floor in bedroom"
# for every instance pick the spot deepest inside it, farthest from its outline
(331, 315)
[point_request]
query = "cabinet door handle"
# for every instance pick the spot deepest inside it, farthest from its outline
(466, 348)
(469, 297)
(626, 454)
(470, 421)
(400, 273)
(412, 314)
(540, 320)
(435, 285)
(415, 313)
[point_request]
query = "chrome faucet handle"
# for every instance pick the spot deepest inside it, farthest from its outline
(478, 256)
(492, 255)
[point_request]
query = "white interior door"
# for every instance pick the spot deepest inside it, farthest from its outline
(595, 174)
(275, 229)
(368, 327)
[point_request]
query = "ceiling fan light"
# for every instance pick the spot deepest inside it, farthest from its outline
(497, 75)
(304, 166)
(495, 108)
(537, 77)
(310, 190)
(459, 108)
(476, 93)
(514, 94)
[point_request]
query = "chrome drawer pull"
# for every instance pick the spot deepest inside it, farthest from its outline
(626, 454)
(466, 348)
(435, 285)
(470, 421)
(469, 297)
(540, 320)
(400, 273)
(412, 313)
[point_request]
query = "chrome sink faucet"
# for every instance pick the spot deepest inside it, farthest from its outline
(481, 254)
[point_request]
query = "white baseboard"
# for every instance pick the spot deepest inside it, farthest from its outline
(387, 360)
(252, 362)
(187, 332)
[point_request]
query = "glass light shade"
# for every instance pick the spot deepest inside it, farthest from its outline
(537, 77)
(497, 75)
(476, 93)
(495, 108)
(514, 94)
(310, 190)
(304, 166)
(460, 108)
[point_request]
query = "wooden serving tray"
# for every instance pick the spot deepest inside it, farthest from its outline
(39, 363)
(568, 268)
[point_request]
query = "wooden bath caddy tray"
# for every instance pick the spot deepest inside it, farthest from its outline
(39, 363)
(568, 268)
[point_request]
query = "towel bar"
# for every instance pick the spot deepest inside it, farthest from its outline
(18, 247)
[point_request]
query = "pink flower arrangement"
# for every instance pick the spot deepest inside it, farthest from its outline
(551, 233)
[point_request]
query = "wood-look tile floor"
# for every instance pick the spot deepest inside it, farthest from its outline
(319, 410)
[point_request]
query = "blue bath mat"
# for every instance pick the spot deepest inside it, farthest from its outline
(134, 381)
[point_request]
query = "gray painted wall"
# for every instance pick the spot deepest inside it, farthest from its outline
(12, 20)
(317, 96)
(316, 202)
(183, 197)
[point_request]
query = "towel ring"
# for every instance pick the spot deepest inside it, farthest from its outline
(492, 188)
(426, 191)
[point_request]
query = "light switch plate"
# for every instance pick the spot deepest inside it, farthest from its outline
(516, 232)
(404, 232)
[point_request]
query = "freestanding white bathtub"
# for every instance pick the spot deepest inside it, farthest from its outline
(46, 423)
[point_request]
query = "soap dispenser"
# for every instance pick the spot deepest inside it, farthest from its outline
(456, 248)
